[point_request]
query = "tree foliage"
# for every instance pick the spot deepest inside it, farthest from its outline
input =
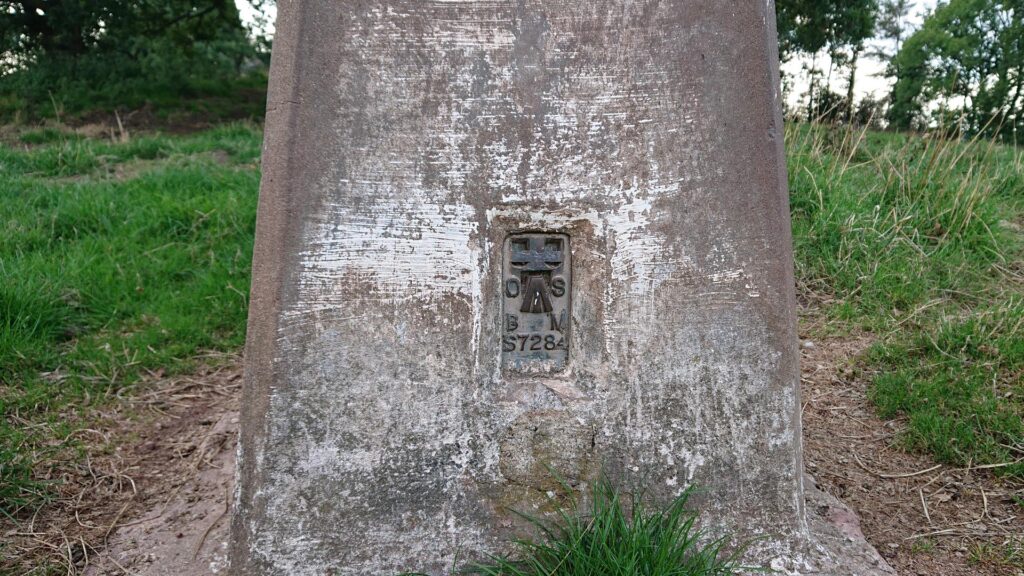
(126, 47)
(809, 26)
(838, 27)
(964, 68)
(893, 24)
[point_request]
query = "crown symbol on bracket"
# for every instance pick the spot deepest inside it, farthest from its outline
(535, 259)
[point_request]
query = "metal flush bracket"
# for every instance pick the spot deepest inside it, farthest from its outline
(536, 296)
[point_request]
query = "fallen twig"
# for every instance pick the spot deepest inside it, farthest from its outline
(202, 540)
(894, 476)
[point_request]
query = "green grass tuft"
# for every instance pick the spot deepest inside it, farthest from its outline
(959, 384)
(618, 536)
(46, 135)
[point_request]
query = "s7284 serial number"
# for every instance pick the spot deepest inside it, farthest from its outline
(532, 342)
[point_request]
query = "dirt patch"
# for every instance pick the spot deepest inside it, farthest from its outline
(186, 533)
(121, 124)
(150, 495)
(924, 518)
(203, 114)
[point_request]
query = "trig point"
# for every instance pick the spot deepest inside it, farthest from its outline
(498, 240)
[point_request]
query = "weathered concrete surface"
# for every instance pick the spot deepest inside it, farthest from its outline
(405, 140)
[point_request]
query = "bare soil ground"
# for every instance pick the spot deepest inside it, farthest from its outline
(926, 519)
(152, 497)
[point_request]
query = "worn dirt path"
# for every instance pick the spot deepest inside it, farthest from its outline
(925, 519)
(150, 497)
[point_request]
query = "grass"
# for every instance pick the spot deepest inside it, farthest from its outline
(122, 257)
(115, 258)
(919, 242)
(993, 554)
(617, 536)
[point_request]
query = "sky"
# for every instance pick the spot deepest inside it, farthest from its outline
(870, 81)
(248, 14)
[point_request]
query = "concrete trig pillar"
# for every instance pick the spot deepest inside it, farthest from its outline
(500, 237)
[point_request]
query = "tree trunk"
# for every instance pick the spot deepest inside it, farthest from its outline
(810, 88)
(1015, 103)
(852, 83)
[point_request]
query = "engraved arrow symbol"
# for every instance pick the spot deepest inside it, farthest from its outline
(535, 297)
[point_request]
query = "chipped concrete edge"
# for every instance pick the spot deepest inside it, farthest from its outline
(838, 536)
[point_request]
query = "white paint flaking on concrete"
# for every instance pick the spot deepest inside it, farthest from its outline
(477, 280)
(411, 249)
